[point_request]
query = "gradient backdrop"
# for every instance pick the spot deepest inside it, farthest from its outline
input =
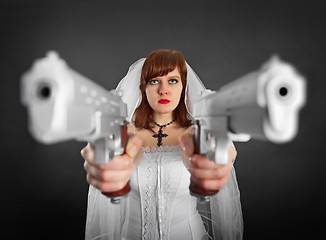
(43, 188)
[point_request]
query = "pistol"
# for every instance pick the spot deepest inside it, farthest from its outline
(64, 105)
(262, 105)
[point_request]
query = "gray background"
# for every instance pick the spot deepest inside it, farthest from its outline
(43, 188)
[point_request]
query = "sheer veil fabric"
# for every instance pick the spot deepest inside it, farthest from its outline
(222, 216)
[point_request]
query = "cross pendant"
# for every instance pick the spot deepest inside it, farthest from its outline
(159, 137)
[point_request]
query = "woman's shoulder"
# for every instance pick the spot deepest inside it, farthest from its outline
(140, 132)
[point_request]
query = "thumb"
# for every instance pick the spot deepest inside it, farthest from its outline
(133, 146)
(187, 143)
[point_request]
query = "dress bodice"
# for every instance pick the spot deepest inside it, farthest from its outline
(160, 204)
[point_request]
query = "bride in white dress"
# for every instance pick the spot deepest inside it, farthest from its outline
(159, 163)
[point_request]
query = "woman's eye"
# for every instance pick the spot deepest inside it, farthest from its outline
(154, 82)
(173, 81)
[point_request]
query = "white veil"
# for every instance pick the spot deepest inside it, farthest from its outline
(222, 215)
(129, 87)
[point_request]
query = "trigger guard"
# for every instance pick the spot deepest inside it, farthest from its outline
(221, 151)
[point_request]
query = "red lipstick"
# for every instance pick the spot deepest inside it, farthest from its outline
(164, 101)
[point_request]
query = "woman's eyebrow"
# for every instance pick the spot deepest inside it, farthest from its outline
(174, 77)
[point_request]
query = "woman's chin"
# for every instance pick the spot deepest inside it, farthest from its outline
(164, 110)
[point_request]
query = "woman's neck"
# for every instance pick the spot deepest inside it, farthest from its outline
(162, 118)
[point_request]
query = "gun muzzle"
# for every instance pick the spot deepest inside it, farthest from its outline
(264, 104)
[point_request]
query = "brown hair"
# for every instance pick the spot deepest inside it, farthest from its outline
(160, 63)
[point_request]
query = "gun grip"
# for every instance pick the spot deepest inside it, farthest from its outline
(200, 192)
(196, 138)
(196, 190)
(117, 195)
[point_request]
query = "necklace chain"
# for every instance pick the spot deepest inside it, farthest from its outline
(162, 126)
(160, 135)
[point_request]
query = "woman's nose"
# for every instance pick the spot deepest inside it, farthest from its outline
(162, 89)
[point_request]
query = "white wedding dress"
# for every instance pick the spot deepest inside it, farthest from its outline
(159, 205)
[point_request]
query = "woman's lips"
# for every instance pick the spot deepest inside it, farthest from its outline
(164, 101)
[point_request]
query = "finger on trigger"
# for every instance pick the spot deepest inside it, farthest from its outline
(88, 153)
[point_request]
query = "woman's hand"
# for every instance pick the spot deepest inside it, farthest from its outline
(113, 176)
(205, 173)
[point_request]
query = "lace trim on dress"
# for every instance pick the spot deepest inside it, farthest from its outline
(156, 194)
(150, 220)
(167, 148)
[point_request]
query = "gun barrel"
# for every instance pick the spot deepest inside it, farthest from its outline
(264, 104)
(62, 104)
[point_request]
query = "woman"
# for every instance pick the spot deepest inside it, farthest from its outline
(159, 163)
